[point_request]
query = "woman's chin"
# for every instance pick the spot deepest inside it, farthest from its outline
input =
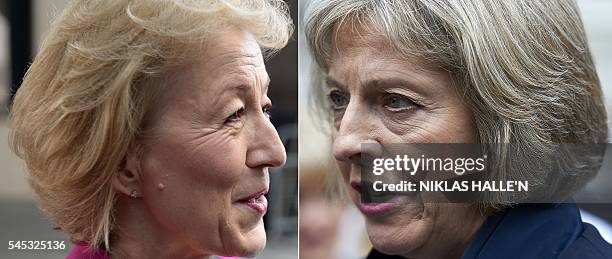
(248, 244)
(400, 238)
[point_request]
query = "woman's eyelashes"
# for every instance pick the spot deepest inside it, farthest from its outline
(267, 110)
(238, 116)
(395, 102)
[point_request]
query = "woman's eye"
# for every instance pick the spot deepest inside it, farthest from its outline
(267, 111)
(338, 100)
(236, 117)
(397, 102)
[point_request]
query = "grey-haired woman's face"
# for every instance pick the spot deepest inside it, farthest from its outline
(379, 97)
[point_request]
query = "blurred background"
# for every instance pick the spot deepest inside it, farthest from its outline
(23, 25)
(334, 230)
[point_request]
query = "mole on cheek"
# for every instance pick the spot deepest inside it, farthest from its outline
(161, 186)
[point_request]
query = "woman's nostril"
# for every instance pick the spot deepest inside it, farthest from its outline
(356, 158)
(356, 185)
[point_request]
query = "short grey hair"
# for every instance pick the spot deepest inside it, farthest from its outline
(523, 66)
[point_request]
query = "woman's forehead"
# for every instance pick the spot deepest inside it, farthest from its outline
(233, 42)
(353, 33)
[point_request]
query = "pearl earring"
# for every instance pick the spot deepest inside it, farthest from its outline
(135, 194)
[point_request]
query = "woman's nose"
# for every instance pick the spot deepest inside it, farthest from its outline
(353, 131)
(265, 147)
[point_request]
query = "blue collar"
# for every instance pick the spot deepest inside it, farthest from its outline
(527, 231)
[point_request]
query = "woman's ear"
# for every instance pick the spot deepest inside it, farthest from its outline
(127, 180)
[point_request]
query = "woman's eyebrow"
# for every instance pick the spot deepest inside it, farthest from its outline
(389, 82)
(237, 88)
(378, 83)
(245, 88)
(248, 86)
(331, 82)
(415, 85)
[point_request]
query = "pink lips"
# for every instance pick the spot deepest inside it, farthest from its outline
(257, 201)
(374, 209)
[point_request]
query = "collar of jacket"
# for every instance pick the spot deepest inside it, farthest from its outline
(527, 230)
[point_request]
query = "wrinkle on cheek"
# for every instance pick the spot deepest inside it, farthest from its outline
(229, 235)
(203, 152)
(412, 129)
(224, 230)
(446, 125)
(204, 138)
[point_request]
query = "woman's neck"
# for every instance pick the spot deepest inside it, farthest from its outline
(138, 235)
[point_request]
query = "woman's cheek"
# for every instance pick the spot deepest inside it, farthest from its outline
(196, 178)
(215, 157)
(225, 158)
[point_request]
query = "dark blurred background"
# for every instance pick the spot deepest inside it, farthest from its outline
(23, 25)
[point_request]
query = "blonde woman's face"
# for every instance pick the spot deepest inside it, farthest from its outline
(205, 165)
(379, 97)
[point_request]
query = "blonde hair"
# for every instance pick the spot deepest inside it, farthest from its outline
(523, 67)
(83, 100)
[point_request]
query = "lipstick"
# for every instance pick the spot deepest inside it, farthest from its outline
(257, 201)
